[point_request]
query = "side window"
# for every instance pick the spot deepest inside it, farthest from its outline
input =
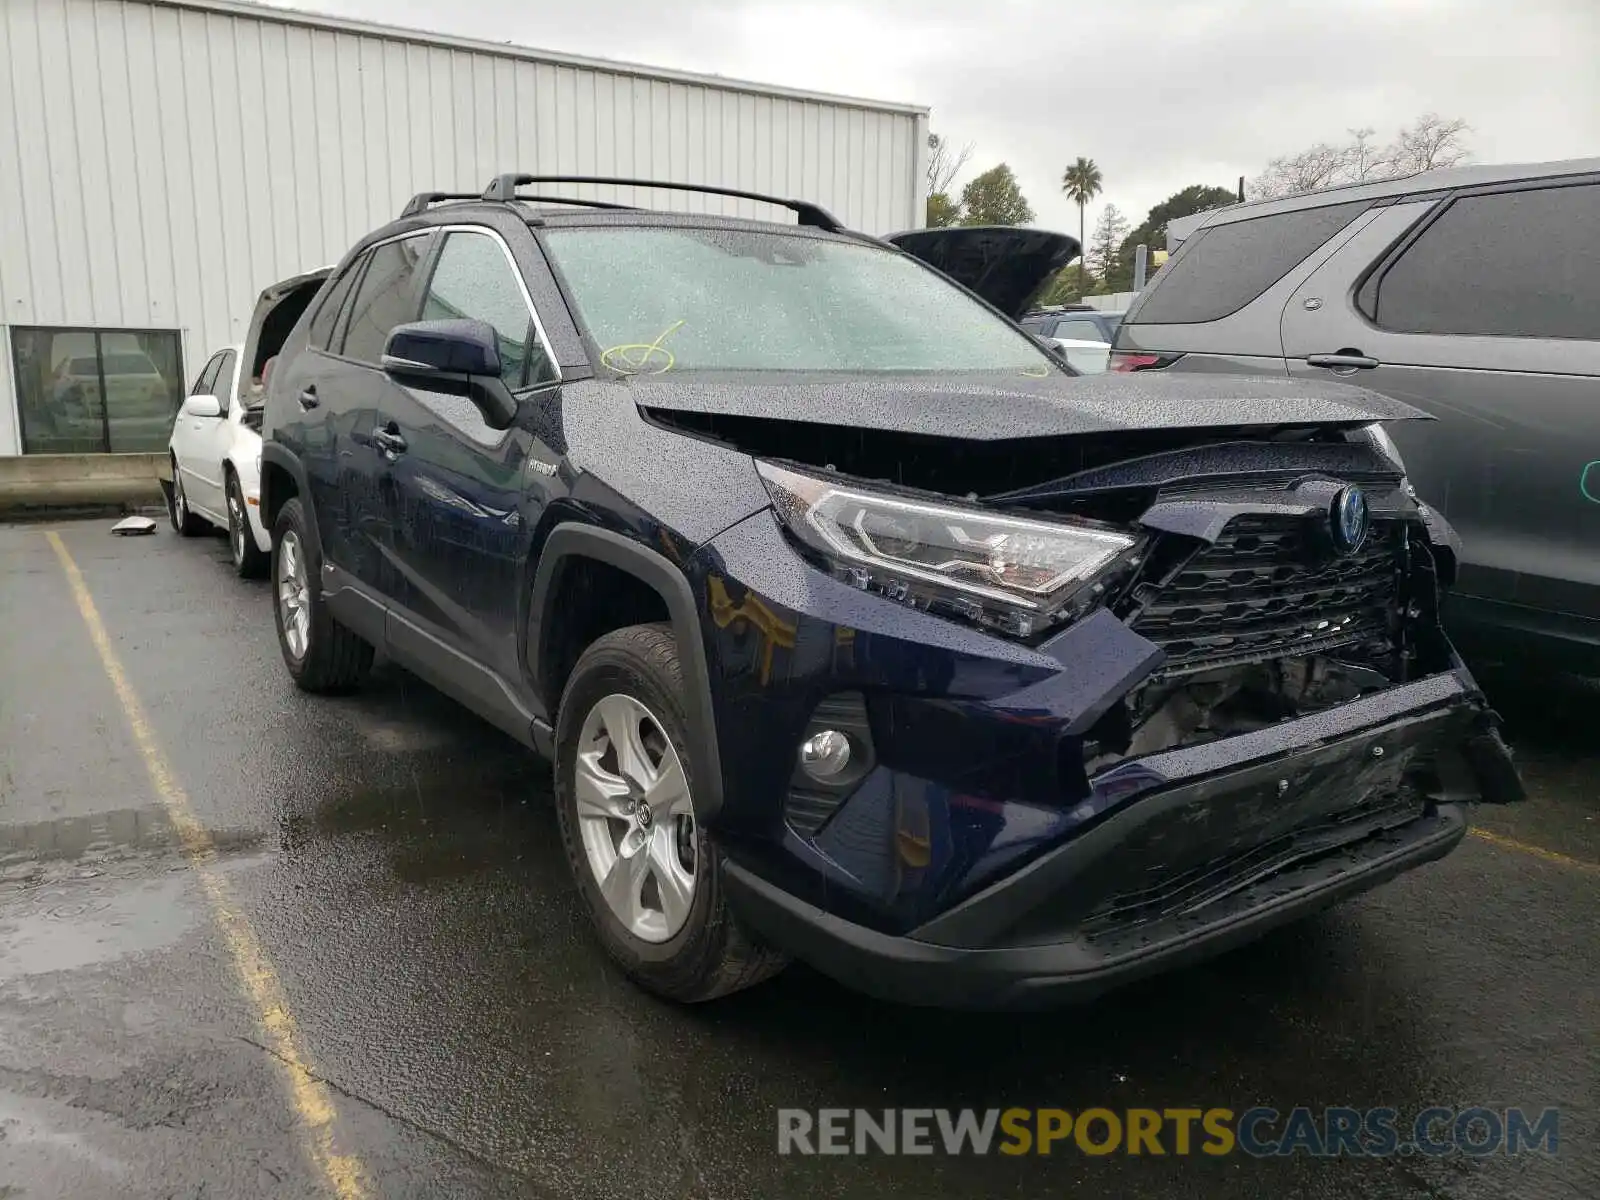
(1225, 267)
(1512, 264)
(208, 377)
(222, 387)
(386, 297)
(475, 278)
(333, 297)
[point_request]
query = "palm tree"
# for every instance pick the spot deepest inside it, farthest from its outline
(1081, 182)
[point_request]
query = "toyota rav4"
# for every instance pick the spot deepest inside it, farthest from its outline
(857, 626)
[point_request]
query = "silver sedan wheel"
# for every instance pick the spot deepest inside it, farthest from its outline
(294, 595)
(636, 817)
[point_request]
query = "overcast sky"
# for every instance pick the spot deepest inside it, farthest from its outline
(1160, 93)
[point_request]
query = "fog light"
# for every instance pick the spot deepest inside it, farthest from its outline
(825, 755)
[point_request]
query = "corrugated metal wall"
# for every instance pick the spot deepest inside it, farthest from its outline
(161, 162)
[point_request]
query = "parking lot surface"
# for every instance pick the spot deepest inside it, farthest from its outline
(257, 943)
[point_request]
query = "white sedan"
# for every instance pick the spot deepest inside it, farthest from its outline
(215, 476)
(1089, 358)
(216, 439)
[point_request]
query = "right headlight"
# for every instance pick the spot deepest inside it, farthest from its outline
(1014, 574)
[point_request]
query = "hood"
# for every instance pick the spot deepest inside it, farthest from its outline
(996, 407)
(1005, 265)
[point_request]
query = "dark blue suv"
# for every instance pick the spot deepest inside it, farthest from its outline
(859, 628)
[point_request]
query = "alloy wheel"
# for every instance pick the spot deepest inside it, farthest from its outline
(294, 595)
(636, 817)
(236, 524)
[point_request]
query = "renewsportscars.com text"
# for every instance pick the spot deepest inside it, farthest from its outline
(1258, 1132)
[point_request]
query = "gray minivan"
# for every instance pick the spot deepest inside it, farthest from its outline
(1472, 293)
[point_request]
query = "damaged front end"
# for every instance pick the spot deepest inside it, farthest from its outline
(1228, 699)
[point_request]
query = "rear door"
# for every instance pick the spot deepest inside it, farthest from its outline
(461, 491)
(335, 389)
(1485, 313)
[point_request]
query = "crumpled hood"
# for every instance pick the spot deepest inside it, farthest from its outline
(991, 408)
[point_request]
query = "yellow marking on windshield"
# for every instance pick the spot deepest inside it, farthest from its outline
(636, 358)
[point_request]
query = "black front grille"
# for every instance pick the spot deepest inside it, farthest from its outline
(1268, 588)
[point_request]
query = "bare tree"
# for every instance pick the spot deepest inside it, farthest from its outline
(1365, 161)
(944, 163)
(1311, 170)
(1432, 142)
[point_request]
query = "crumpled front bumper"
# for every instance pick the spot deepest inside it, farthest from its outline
(977, 863)
(1229, 840)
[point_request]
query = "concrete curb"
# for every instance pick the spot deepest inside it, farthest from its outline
(34, 483)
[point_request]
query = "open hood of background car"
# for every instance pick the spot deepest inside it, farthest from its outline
(1005, 265)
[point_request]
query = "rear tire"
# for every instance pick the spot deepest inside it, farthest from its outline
(669, 926)
(184, 522)
(248, 559)
(321, 654)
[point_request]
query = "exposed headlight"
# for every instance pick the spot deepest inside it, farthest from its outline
(1011, 573)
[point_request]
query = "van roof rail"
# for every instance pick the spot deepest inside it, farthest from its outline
(504, 187)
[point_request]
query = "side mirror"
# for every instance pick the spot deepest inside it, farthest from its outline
(202, 406)
(457, 357)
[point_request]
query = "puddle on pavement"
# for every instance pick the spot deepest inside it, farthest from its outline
(119, 833)
(80, 922)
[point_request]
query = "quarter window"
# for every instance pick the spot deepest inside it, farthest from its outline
(386, 296)
(1227, 266)
(335, 292)
(474, 279)
(1510, 264)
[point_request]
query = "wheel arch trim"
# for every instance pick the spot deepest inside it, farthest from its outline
(656, 572)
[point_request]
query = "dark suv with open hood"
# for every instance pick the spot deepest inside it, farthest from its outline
(857, 626)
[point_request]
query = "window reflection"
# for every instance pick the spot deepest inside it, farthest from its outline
(93, 390)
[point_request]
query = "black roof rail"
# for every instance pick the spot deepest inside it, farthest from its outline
(421, 201)
(577, 201)
(504, 187)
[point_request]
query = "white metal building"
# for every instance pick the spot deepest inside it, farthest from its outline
(161, 161)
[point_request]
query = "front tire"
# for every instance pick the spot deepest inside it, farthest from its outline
(248, 560)
(184, 522)
(321, 654)
(649, 875)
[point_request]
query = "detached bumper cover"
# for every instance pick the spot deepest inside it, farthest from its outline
(1225, 841)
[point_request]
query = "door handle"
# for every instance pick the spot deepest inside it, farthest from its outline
(308, 397)
(390, 442)
(1344, 360)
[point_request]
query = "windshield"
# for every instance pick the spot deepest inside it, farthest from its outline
(677, 299)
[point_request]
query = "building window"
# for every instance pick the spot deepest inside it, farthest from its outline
(96, 390)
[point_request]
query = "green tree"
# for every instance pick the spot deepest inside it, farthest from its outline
(1068, 286)
(1109, 231)
(994, 198)
(942, 211)
(1081, 182)
(1196, 198)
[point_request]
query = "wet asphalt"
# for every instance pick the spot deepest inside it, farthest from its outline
(398, 863)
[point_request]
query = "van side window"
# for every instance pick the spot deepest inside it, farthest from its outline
(1508, 264)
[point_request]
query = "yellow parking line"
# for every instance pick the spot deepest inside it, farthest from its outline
(1549, 856)
(343, 1172)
